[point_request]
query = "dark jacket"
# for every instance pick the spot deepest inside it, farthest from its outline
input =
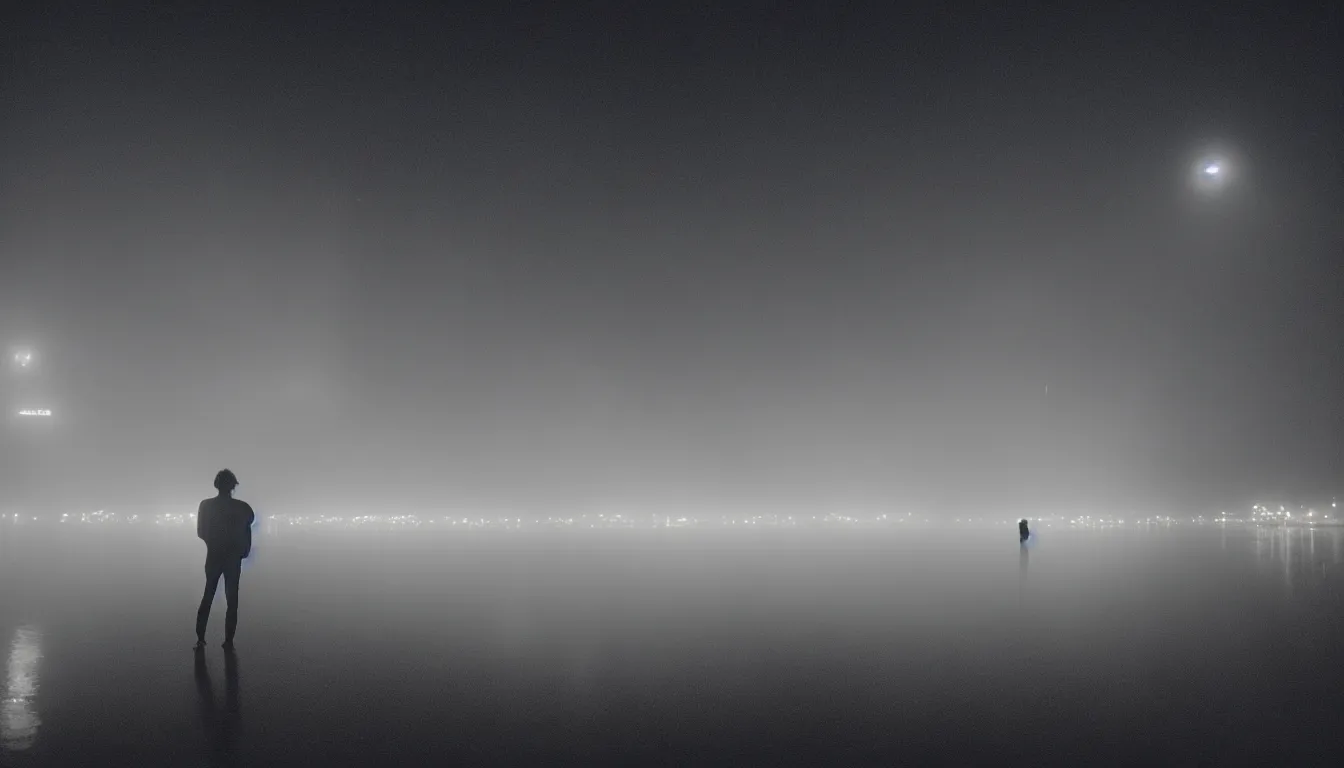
(225, 525)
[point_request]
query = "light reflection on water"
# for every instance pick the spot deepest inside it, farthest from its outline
(1301, 555)
(452, 641)
(19, 720)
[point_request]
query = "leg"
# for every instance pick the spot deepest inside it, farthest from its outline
(232, 572)
(212, 573)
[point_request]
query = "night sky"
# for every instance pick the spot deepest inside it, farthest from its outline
(774, 256)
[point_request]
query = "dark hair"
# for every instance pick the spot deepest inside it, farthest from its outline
(225, 480)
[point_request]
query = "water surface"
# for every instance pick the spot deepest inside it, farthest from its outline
(678, 647)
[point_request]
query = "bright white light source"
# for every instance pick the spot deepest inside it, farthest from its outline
(34, 412)
(23, 358)
(1213, 171)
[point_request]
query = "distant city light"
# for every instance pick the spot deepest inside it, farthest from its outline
(34, 412)
(1260, 516)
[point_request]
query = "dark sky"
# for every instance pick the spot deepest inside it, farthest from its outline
(780, 254)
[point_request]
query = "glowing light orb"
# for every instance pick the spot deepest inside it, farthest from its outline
(1212, 173)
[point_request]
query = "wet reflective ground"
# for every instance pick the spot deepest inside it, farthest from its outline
(678, 647)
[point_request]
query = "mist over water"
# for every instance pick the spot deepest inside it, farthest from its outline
(839, 646)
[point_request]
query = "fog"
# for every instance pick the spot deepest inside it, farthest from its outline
(724, 262)
(1155, 644)
(374, 257)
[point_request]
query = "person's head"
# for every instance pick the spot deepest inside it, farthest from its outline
(225, 481)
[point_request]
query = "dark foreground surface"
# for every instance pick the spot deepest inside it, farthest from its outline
(1184, 646)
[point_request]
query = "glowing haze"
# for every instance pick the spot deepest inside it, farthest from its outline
(535, 259)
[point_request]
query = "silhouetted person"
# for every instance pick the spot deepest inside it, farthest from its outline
(1022, 531)
(225, 525)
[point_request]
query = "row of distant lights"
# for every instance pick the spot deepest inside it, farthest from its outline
(1079, 521)
(617, 521)
(1260, 513)
(579, 521)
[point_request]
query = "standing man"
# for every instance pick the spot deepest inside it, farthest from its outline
(225, 525)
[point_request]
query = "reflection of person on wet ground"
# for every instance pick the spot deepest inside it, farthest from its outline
(225, 525)
(1022, 533)
(1023, 563)
(222, 732)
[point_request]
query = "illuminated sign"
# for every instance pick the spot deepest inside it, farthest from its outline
(34, 412)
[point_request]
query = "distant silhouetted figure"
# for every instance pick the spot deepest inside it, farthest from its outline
(1022, 531)
(225, 525)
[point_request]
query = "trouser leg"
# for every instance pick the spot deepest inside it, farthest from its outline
(232, 573)
(212, 573)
